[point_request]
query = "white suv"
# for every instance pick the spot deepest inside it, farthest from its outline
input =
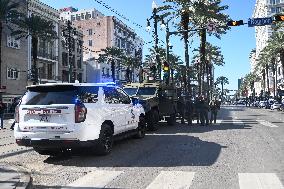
(53, 118)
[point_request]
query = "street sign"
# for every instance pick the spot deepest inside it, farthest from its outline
(259, 21)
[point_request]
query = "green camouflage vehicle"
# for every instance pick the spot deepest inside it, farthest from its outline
(159, 101)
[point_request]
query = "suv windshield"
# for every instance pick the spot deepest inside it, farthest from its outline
(48, 95)
(146, 91)
(130, 91)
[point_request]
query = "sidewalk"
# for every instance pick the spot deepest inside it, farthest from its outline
(14, 179)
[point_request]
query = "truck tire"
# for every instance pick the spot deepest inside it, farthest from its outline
(152, 120)
(105, 141)
(172, 120)
(141, 129)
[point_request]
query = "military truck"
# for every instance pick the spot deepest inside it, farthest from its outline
(159, 101)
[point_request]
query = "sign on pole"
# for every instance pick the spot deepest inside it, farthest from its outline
(259, 21)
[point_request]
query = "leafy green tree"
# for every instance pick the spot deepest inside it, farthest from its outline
(131, 63)
(7, 10)
(223, 81)
(111, 54)
(38, 28)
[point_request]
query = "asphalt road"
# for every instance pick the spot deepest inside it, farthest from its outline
(245, 150)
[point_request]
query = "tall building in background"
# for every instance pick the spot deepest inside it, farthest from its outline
(100, 32)
(267, 8)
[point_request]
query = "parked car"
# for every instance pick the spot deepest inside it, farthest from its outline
(281, 107)
(54, 118)
(263, 104)
(275, 106)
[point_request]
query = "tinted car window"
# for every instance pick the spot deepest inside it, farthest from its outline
(47, 95)
(146, 91)
(43, 95)
(130, 91)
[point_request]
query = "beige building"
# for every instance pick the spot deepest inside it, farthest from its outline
(100, 32)
(267, 8)
(74, 57)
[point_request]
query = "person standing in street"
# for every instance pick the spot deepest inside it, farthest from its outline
(204, 108)
(214, 110)
(2, 109)
(190, 110)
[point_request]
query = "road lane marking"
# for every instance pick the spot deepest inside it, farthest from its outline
(266, 123)
(238, 122)
(95, 179)
(259, 181)
(172, 180)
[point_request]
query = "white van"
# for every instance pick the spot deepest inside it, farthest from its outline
(53, 118)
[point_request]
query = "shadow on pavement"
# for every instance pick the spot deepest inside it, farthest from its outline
(155, 150)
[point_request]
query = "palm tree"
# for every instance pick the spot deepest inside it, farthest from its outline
(39, 29)
(112, 54)
(131, 63)
(7, 8)
(213, 57)
(223, 81)
(196, 15)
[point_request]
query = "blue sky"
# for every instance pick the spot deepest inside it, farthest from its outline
(235, 45)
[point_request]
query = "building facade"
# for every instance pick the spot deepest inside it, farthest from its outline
(267, 8)
(71, 53)
(102, 31)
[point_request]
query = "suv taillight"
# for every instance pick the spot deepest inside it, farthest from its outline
(17, 114)
(80, 113)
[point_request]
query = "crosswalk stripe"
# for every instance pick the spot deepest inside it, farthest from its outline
(238, 122)
(95, 179)
(259, 181)
(266, 123)
(172, 180)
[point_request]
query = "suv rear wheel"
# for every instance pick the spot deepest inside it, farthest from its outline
(141, 129)
(105, 141)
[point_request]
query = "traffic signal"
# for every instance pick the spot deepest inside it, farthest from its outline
(278, 18)
(166, 67)
(235, 23)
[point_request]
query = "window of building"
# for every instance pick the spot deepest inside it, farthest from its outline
(107, 72)
(103, 71)
(82, 16)
(79, 65)
(88, 16)
(12, 73)
(73, 18)
(278, 9)
(78, 17)
(90, 43)
(279, 71)
(12, 42)
(90, 32)
(49, 71)
(65, 75)
(64, 58)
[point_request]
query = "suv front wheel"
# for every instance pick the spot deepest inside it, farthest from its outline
(141, 129)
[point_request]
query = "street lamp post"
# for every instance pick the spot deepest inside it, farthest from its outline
(71, 34)
(156, 19)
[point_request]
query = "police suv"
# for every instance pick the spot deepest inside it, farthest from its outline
(53, 118)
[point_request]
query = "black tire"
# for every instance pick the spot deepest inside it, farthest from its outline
(172, 120)
(141, 129)
(152, 120)
(105, 141)
(50, 152)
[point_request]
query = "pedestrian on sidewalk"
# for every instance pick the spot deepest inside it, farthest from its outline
(2, 110)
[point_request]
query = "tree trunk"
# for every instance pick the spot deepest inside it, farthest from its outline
(1, 28)
(222, 90)
(263, 79)
(202, 60)
(34, 69)
(113, 70)
(185, 22)
(267, 78)
(282, 61)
